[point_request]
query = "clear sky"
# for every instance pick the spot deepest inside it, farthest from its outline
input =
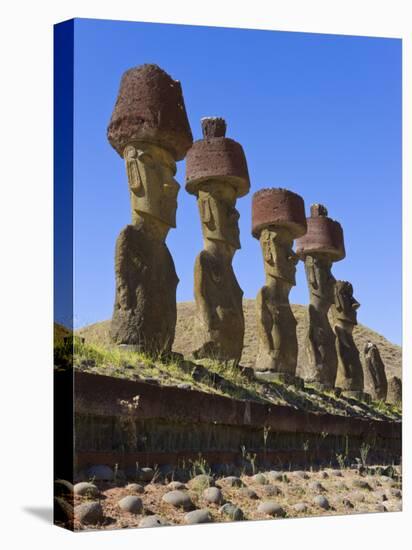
(317, 114)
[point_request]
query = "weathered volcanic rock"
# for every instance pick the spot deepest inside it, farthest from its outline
(278, 207)
(376, 382)
(394, 391)
(150, 108)
(89, 513)
(323, 236)
(216, 158)
(145, 309)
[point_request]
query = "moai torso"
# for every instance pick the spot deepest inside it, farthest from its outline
(278, 215)
(319, 248)
(375, 375)
(217, 175)
(144, 313)
(350, 372)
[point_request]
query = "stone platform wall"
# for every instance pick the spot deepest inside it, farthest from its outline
(124, 422)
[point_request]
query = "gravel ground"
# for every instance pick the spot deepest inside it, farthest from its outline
(344, 491)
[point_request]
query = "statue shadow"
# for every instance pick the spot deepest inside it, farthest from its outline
(44, 513)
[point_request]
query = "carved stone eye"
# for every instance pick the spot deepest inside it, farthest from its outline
(146, 158)
(130, 152)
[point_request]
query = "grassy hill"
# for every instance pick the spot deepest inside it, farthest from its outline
(391, 354)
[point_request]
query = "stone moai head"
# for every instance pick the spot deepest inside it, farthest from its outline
(345, 305)
(321, 246)
(217, 174)
(278, 217)
(150, 131)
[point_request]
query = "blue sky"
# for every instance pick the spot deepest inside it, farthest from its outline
(317, 114)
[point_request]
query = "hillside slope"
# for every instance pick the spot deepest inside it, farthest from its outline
(391, 353)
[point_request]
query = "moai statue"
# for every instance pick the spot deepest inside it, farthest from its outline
(150, 131)
(375, 375)
(278, 217)
(319, 248)
(350, 372)
(217, 174)
(395, 391)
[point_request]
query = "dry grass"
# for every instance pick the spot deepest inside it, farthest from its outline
(391, 353)
(293, 490)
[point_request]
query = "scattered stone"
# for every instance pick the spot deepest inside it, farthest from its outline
(233, 481)
(260, 479)
(393, 506)
(316, 486)
(358, 497)
(271, 509)
(89, 513)
(213, 495)
(395, 391)
(247, 492)
(100, 472)
(62, 487)
(336, 473)
(347, 503)
(62, 510)
(145, 474)
(387, 480)
(301, 474)
(322, 502)
(232, 511)
(131, 504)
(300, 507)
(201, 481)
(271, 490)
(176, 486)
(277, 476)
(179, 499)
(135, 488)
(323, 475)
(153, 521)
(198, 516)
(397, 493)
(85, 489)
(361, 484)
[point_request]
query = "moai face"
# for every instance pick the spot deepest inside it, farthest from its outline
(279, 257)
(345, 303)
(218, 213)
(320, 278)
(153, 188)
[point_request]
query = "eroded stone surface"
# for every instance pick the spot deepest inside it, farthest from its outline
(86, 489)
(395, 391)
(375, 376)
(89, 513)
(350, 372)
(179, 499)
(216, 172)
(278, 216)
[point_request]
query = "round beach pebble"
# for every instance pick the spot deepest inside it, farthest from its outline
(131, 504)
(300, 507)
(153, 521)
(271, 490)
(213, 495)
(85, 489)
(89, 513)
(322, 502)
(277, 476)
(202, 481)
(301, 474)
(176, 486)
(232, 481)
(316, 487)
(100, 472)
(271, 509)
(232, 511)
(179, 499)
(135, 488)
(247, 492)
(198, 516)
(260, 479)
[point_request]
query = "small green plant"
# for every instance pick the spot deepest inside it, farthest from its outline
(364, 451)
(199, 466)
